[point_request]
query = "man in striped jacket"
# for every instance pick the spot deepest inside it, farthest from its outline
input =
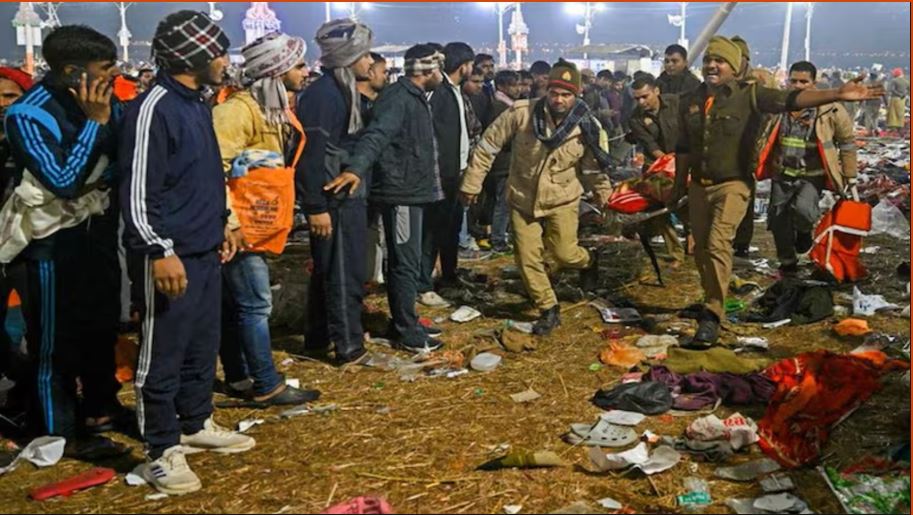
(63, 233)
(173, 199)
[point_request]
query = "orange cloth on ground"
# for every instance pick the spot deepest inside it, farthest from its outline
(621, 355)
(815, 390)
(852, 327)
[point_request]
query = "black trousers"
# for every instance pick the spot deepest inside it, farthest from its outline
(180, 343)
(441, 224)
(403, 230)
(72, 310)
(336, 290)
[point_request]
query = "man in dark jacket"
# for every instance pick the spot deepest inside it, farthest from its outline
(443, 220)
(63, 145)
(401, 141)
(654, 126)
(481, 103)
(506, 82)
(539, 70)
(329, 111)
(676, 78)
(173, 199)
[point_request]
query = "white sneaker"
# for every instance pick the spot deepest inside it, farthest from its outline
(170, 474)
(471, 245)
(216, 439)
(432, 300)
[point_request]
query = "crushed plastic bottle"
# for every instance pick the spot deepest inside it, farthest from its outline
(696, 496)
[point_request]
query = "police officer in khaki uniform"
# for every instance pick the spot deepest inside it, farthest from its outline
(555, 153)
(716, 121)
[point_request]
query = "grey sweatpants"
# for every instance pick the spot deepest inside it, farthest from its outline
(793, 210)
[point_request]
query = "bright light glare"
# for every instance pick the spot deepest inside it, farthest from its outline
(599, 7)
(366, 6)
(487, 5)
(576, 9)
(342, 5)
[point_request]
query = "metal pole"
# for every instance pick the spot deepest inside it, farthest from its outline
(123, 33)
(784, 50)
(808, 31)
(709, 30)
(681, 37)
(29, 50)
(519, 52)
(587, 16)
(502, 59)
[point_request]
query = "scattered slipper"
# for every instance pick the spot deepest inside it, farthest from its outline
(601, 434)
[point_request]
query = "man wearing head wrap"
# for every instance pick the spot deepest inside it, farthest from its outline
(443, 220)
(718, 121)
(334, 200)
(13, 84)
(555, 152)
(256, 128)
(172, 193)
(898, 91)
(401, 148)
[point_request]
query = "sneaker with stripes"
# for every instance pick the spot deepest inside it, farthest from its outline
(170, 474)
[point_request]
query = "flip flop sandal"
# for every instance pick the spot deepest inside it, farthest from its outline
(602, 434)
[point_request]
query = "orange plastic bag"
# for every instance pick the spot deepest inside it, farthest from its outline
(852, 327)
(264, 201)
(838, 239)
(126, 354)
(621, 355)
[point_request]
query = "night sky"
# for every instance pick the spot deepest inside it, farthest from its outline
(844, 34)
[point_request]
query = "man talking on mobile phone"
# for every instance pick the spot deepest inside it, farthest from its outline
(61, 226)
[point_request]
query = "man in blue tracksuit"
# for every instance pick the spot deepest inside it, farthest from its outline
(173, 200)
(63, 138)
(329, 111)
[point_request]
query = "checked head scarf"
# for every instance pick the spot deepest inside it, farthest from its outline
(187, 40)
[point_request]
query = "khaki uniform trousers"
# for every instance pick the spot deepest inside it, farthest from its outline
(716, 212)
(546, 245)
(896, 108)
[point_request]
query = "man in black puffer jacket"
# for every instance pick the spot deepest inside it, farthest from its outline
(406, 178)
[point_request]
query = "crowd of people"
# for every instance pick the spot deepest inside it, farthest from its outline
(153, 185)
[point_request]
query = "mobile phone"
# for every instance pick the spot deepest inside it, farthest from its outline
(74, 78)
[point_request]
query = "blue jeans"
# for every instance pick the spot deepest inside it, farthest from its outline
(501, 217)
(246, 350)
(466, 239)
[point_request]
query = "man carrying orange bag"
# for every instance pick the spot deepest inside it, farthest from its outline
(260, 140)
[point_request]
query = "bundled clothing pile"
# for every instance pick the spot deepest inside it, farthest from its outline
(815, 391)
(699, 390)
(803, 302)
